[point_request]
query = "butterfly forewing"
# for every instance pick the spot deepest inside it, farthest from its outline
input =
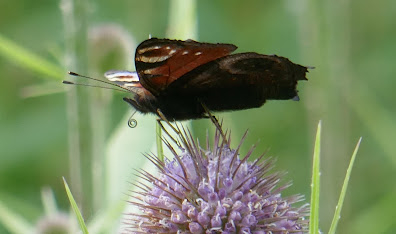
(159, 62)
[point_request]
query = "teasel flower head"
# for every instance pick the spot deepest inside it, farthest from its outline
(214, 190)
(57, 222)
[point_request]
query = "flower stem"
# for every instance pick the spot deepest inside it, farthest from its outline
(75, 26)
(160, 150)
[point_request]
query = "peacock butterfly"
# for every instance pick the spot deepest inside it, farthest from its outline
(179, 78)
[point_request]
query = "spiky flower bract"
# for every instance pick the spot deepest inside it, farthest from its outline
(214, 190)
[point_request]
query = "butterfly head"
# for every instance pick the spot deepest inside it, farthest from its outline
(143, 100)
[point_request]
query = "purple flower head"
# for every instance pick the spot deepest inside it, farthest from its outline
(214, 190)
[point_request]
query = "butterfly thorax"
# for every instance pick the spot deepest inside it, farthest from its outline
(144, 102)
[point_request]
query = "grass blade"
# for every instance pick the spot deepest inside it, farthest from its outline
(74, 206)
(337, 213)
(315, 186)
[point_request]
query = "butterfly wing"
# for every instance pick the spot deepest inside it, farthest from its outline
(125, 79)
(241, 81)
(128, 80)
(160, 62)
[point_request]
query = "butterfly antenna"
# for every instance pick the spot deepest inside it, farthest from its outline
(88, 85)
(90, 78)
(132, 123)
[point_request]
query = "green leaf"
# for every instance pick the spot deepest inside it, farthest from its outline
(315, 186)
(337, 213)
(75, 208)
(14, 223)
(29, 60)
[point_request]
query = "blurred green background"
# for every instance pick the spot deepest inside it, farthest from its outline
(351, 44)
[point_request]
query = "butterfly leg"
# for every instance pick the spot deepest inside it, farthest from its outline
(175, 129)
(214, 120)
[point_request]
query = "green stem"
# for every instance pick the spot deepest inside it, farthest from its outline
(160, 150)
(184, 11)
(75, 26)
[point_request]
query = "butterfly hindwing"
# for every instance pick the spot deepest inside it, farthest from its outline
(244, 77)
(125, 79)
(160, 62)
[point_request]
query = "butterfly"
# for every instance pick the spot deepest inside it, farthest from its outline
(180, 79)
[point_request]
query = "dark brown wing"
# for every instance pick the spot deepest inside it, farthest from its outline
(159, 62)
(260, 77)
